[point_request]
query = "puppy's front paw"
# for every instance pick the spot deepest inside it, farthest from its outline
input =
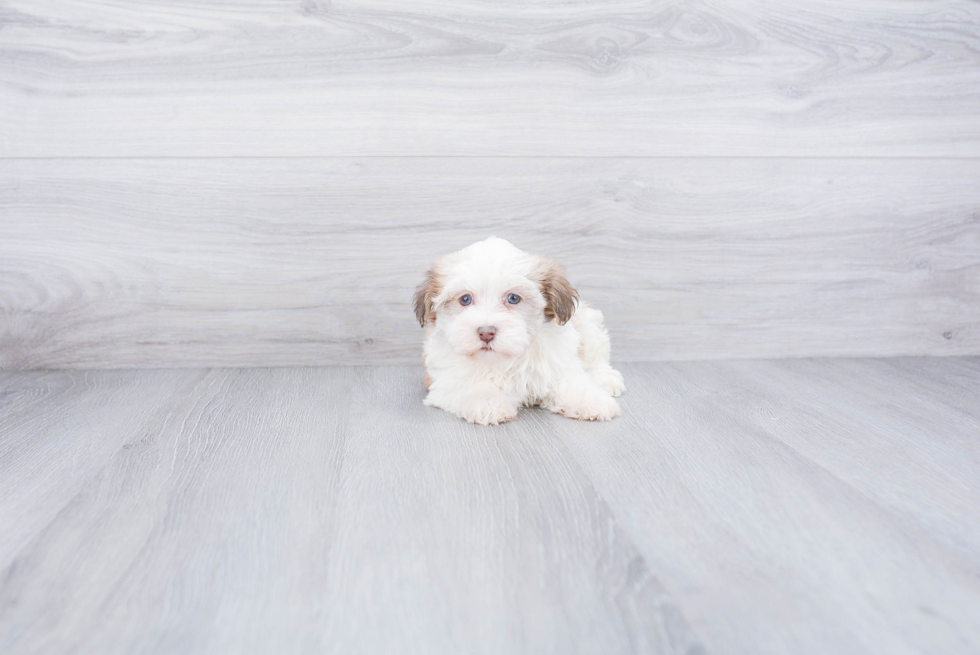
(591, 405)
(487, 411)
(611, 381)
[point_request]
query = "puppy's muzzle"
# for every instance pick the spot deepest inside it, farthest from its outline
(487, 333)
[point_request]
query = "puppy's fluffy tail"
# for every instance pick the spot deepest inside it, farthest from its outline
(594, 350)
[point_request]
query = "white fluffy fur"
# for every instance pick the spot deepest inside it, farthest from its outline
(532, 360)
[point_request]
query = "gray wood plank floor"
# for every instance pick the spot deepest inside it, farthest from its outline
(793, 506)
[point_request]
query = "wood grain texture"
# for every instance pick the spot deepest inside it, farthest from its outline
(311, 510)
(799, 506)
(842, 493)
(131, 263)
(469, 77)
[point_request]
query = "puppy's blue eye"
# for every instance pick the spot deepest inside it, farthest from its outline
(465, 300)
(513, 299)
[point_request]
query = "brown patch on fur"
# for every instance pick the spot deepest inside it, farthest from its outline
(425, 295)
(428, 380)
(559, 296)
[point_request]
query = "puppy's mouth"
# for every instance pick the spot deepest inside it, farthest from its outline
(485, 348)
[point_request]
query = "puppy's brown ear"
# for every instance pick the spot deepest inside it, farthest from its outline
(559, 296)
(425, 295)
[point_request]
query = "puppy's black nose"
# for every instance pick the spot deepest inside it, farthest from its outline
(486, 333)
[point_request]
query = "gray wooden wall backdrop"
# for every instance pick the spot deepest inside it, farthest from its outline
(261, 182)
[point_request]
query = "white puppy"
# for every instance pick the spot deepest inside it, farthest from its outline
(506, 330)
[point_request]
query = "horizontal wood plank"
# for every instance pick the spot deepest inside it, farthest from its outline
(124, 263)
(345, 78)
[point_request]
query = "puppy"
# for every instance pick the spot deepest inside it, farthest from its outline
(505, 330)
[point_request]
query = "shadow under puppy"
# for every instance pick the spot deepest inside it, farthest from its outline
(505, 330)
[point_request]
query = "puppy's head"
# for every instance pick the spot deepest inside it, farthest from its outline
(490, 299)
